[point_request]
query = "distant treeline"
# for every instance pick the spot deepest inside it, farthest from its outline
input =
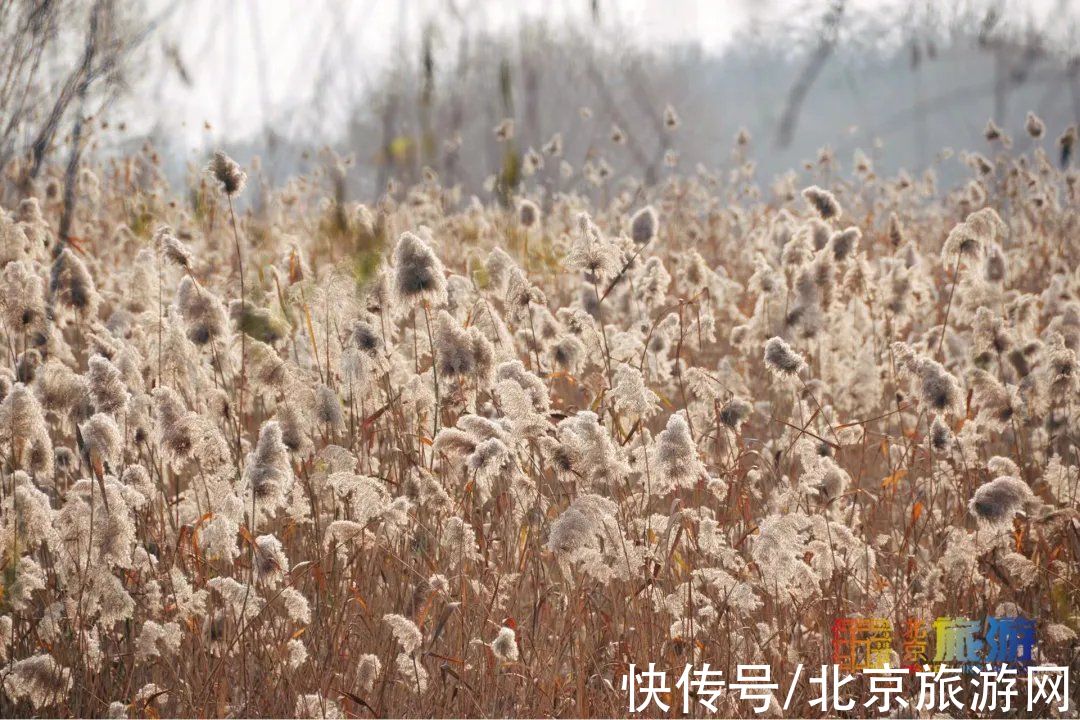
(900, 93)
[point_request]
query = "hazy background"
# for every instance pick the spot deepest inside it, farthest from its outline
(399, 85)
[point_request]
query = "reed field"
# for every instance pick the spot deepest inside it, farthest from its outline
(270, 452)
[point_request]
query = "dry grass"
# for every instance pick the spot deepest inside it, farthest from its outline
(426, 422)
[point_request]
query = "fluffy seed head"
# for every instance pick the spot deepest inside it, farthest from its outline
(781, 359)
(643, 225)
(38, 679)
(1034, 125)
(171, 248)
(268, 471)
(940, 435)
(677, 456)
(21, 300)
(528, 213)
(405, 632)
(823, 201)
(592, 252)
(72, 285)
(228, 173)
(108, 392)
(327, 409)
(366, 338)
(504, 646)
(102, 437)
(418, 272)
(735, 412)
(845, 243)
(201, 310)
(270, 560)
(367, 669)
(997, 501)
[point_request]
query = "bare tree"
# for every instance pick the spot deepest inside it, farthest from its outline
(830, 31)
(43, 82)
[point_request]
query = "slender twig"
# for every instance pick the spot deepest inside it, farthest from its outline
(945, 324)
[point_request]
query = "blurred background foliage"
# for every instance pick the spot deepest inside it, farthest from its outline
(396, 86)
